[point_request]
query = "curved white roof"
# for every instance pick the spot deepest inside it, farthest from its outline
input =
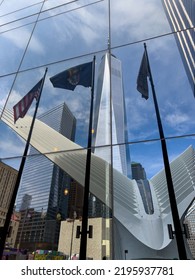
(151, 230)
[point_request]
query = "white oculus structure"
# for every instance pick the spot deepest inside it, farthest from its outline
(143, 235)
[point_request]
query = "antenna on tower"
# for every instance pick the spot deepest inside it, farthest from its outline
(108, 43)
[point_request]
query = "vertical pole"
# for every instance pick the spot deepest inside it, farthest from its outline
(126, 252)
(83, 244)
(110, 188)
(71, 242)
(172, 198)
(15, 191)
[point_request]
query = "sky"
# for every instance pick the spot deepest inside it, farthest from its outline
(71, 34)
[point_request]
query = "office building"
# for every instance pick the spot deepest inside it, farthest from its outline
(13, 230)
(110, 129)
(8, 176)
(181, 16)
(190, 221)
(138, 172)
(41, 198)
(75, 200)
(105, 93)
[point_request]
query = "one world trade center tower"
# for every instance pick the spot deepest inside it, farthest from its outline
(110, 109)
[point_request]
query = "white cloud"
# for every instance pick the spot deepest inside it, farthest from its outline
(2, 102)
(177, 118)
(136, 21)
(179, 122)
(87, 24)
(20, 39)
(20, 36)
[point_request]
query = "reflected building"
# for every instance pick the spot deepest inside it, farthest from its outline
(41, 198)
(190, 221)
(181, 16)
(138, 172)
(110, 108)
(8, 177)
(26, 201)
(75, 201)
(106, 112)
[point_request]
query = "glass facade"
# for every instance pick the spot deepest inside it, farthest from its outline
(41, 194)
(134, 208)
(181, 16)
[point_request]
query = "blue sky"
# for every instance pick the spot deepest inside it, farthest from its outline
(73, 37)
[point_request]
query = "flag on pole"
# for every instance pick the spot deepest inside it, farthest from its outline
(21, 108)
(70, 78)
(142, 82)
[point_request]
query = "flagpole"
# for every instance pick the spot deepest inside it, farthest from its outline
(171, 192)
(84, 229)
(15, 191)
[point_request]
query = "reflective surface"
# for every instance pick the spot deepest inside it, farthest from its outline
(125, 129)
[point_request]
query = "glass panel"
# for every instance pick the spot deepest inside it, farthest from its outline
(100, 204)
(138, 21)
(127, 180)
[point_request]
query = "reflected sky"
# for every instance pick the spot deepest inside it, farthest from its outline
(68, 33)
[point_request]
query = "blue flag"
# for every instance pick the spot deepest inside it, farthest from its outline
(70, 78)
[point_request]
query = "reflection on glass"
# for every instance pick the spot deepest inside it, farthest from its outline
(53, 180)
(100, 206)
(103, 118)
(181, 17)
(43, 184)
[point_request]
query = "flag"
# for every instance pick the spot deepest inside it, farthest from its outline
(142, 82)
(21, 108)
(70, 78)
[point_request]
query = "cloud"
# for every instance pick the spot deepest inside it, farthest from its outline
(138, 21)
(14, 98)
(80, 23)
(20, 36)
(20, 39)
(2, 102)
(177, 118)
(178, 121)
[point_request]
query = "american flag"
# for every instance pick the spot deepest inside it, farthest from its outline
(21, 108)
